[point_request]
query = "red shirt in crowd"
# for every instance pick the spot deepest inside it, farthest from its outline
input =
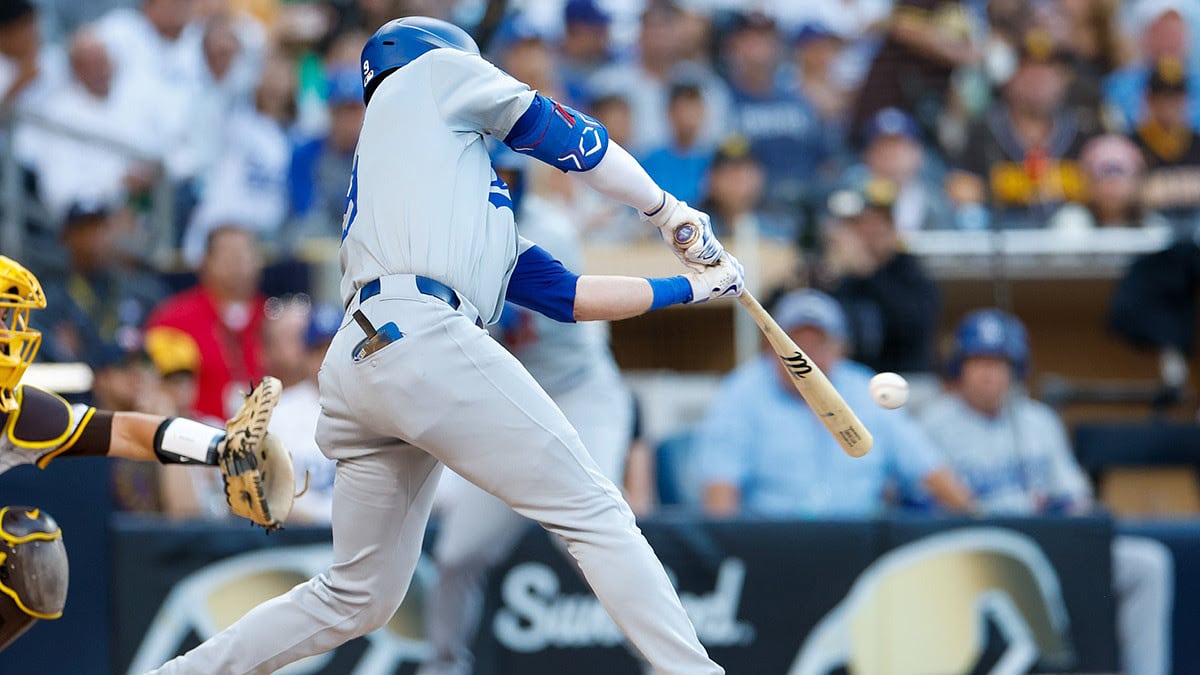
(229, 359)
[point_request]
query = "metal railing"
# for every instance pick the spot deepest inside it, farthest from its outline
(158, 222)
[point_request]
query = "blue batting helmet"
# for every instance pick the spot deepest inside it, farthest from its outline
(990, 332)
(401, 40)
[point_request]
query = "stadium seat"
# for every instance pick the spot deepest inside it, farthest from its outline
(1149, 469)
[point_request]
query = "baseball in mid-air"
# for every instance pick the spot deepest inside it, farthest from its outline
(889, 390)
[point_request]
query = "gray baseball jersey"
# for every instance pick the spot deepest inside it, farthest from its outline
(1016, 463)
(423, 195)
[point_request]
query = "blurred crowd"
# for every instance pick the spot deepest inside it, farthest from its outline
(223, 131)
(164, 160)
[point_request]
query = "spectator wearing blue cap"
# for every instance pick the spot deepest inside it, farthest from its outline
(320, 167)
(784, 131)
(646, 80)
(762, 451)
(1018, 461)
(815, 52)
(893, 151)
(585, 47)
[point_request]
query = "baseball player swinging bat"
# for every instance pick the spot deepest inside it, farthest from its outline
(813, 385)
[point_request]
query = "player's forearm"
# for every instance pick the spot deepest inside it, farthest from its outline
(612, 298)
(133, 436)
(619, 176)
(170, 440)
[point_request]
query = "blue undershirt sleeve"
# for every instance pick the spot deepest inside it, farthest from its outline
(541, 283)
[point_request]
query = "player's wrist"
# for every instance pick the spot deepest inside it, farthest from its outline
(183, 441)
(664, 215)
(669, 291)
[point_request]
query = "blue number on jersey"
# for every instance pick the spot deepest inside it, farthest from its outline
(351, 201)
(498, 194)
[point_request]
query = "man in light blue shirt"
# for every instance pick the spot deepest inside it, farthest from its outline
(761, 451)
(1014, 456)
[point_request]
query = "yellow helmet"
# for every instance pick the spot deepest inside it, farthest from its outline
(19, 293)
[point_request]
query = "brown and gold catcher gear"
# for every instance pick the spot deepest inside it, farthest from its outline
(33, 570)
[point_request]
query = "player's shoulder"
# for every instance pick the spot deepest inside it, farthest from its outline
(450, 60)
(42, 418)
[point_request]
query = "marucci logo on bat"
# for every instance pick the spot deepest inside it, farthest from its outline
(797, 365)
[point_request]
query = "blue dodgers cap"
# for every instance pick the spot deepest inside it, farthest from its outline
(343, 86)
(323, 324)
(808, 308)
(891, 122)
(585, 12)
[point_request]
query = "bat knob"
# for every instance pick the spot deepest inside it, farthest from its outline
(685, 235)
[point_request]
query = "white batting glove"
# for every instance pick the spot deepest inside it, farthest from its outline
(674, 214)
(726, 279)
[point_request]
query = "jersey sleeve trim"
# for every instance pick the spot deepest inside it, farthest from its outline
(83, 424)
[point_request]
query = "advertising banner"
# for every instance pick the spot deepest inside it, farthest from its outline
(894, 596)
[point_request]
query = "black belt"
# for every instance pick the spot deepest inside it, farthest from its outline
(431, 287)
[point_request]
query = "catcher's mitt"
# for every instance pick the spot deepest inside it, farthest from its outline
(260, 483)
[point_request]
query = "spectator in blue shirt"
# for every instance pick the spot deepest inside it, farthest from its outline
(893, 151)
(584, 48)
(679, 167)
(320, 169)
(762, 451)
(1168, 31)
(784, 131)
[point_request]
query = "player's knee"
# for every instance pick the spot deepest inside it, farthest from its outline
(362, 608)
(600, 516)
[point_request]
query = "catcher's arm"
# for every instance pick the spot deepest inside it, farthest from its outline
(256, 468)
(259, 480)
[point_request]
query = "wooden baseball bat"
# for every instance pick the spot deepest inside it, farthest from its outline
(813, 385)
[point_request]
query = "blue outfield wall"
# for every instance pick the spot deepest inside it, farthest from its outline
(757, 590)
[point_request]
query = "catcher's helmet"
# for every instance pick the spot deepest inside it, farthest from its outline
(20, 292)
(33, 570)
(990, 332)
(399, 41)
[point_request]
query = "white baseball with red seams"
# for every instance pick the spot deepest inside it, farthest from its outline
(889, 390)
